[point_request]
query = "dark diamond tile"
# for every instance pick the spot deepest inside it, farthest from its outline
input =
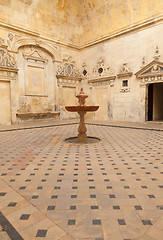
(138, 207)
(59, 180)
(151, 196)
(24, 216)
(71, 222)
(92, 196)
(96, 222)
(106, 180)
(72, 207)
(131, 196)
(12, 204)
(144, 187)
(75, 180)
(154, 179)
(94, 207)
(34, 196)
(2, 194)
(41, 233)
(116, 207)
(146, 222)
(121, 222)
(73, 196)
(112, 196)
(51, 208)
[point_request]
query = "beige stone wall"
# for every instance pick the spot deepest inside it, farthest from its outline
(5, 103)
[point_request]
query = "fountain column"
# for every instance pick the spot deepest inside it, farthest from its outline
(82, 136)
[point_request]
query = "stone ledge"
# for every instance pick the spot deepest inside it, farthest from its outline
(26, 116)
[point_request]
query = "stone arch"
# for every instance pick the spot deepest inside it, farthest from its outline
(52, 51)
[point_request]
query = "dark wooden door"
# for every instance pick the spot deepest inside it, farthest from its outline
(150, 102)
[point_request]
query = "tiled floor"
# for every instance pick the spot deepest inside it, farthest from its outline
(112, 190)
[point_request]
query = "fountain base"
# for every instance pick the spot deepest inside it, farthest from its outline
(82, 138)
(89, 139)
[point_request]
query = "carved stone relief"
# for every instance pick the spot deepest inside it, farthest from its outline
(125, 73)
(7, 59)
(68, 68)
(102, 75)
(8, 66)
(67, 73)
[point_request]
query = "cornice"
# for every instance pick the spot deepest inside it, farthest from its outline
(123, 31)
(69, 78)
(135, 27)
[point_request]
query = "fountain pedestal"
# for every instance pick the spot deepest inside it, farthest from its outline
(82, 110)
(82, 136)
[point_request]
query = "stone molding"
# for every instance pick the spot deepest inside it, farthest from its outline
(7, 74)
(35, 55)
(151, 73)
(25, 41)
(103, 81)
(68, 80)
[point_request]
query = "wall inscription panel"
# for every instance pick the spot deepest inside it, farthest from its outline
(36, 80)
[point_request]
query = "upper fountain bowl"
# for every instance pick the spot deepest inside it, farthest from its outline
(82, 108)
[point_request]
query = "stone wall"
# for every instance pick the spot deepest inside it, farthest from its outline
(131, 52)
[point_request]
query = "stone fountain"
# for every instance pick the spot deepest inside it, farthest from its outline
(82, 109)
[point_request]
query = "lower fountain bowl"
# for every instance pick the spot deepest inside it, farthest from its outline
(89, 140)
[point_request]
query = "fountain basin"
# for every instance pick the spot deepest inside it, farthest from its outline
(82, 108)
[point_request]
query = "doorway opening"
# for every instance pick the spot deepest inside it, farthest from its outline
(155, 102)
